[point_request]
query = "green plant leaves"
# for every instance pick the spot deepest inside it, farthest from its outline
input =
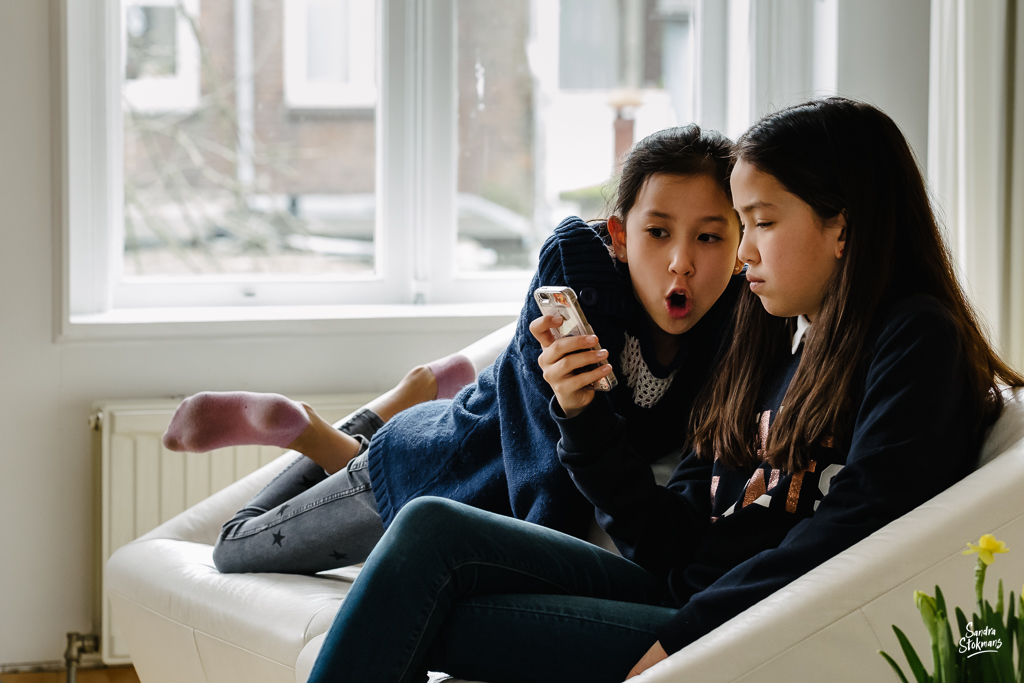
(984, 652)
(895, 667)
(916, 667)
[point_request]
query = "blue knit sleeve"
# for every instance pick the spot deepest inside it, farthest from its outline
(539, 488)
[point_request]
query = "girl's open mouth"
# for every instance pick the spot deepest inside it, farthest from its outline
(678, 304)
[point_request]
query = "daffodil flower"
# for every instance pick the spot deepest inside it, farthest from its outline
(933, 614)
(987, 547)
(929, 609)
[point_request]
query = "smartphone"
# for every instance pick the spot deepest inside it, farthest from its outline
(561, 301)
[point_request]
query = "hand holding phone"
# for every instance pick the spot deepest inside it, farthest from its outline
(573, 364)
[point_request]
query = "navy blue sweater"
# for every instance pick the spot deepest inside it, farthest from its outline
(723, 539)
(494, 445)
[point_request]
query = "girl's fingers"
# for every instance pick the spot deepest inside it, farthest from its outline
(541, 328)
(565, 376)
(653, 656)
(585, 379)
(556, 363)
(561, 361)
(574, 393)
(574, 361)
(564, 356)
(566, 345)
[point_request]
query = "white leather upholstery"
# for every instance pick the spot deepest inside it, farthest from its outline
(184, 621)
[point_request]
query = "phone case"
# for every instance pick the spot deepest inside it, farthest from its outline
(562, 301)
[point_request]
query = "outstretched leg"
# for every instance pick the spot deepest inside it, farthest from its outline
(211, 420)
(303, 521)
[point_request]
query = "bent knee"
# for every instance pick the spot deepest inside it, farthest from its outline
(227, 557)
(426, 517)
(223, 559)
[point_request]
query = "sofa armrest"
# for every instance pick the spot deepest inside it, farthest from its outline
(830, 622)
(484, 351)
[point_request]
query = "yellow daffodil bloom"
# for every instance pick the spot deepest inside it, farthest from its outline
(987, 547)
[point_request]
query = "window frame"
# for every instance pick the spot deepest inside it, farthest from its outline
(416, 170)
(178, 93)
(359, 92)
(416, 181)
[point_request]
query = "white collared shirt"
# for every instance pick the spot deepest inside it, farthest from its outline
(802, 325)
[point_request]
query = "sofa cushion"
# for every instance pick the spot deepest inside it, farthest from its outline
(1007, 430)
(274, 615)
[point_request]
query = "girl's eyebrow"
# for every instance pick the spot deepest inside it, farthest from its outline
(704, 219)
(756, 205)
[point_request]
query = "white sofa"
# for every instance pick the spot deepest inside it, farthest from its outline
(184, 621)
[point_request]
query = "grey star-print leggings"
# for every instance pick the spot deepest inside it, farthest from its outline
(305, 521)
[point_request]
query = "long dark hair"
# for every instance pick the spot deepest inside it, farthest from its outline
(838, 155)
(684, 151)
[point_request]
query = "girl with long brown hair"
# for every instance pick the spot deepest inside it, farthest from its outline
(857, 385)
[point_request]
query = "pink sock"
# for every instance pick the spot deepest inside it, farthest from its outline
(452, 373)
(211, 420)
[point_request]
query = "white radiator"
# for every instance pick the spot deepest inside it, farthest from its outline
(141, 484)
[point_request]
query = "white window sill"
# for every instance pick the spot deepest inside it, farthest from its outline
(249, 321)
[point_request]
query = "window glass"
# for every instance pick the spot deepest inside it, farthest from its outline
(588, 48)
(244, 180)
(497, 156)
(327, 40)
(551, 95)
(151, 39)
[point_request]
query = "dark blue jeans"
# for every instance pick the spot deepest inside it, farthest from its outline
(484, 597)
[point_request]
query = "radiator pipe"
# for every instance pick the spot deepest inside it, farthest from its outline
(78, 644)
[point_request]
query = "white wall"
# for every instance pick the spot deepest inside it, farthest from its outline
(46, 506)
(875, 51)
(883, 59)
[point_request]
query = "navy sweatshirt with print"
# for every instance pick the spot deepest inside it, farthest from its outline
(723, 539)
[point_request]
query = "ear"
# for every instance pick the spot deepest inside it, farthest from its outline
(618, 232)
(839, 222)
(739, 228)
